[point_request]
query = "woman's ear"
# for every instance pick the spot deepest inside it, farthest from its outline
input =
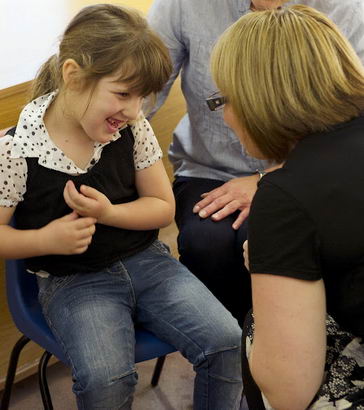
(71, 73)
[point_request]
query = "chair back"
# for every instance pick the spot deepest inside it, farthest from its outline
(26, 311)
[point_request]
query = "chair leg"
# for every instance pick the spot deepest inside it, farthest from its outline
(157, 370)
(13, 362)
(43, 384)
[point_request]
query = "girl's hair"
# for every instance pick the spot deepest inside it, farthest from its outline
(102, 39)
(287, 73)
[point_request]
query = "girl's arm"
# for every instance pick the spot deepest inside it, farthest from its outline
(153, 209)
(15, 243)
(66, 236)
(4, 131)
(288, 352)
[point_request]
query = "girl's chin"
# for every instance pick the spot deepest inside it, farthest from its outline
(106, 138)
(103, 137)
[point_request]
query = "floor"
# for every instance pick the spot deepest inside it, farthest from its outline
(174, 391)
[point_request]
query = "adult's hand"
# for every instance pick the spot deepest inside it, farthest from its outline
(234, 195)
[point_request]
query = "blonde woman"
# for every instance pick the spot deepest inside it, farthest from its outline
(293, 90)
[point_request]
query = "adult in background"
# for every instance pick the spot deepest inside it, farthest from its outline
(215, 178)
(294, 92)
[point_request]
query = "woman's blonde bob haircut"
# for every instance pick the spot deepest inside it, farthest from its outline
(287, 73)
(105, 40)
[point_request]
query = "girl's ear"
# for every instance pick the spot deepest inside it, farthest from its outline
(71, 73)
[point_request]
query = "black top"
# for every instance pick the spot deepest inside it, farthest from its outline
(307, 220)
(114, 176)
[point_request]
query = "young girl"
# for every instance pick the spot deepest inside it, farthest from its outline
(83, 175)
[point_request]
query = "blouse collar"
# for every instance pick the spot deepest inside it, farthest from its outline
(31, 137)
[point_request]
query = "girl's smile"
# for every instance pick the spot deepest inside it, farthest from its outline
(114, 124)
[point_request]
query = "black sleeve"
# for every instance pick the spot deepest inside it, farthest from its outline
(282, 237)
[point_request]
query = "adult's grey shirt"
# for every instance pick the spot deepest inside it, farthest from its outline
(202, 145)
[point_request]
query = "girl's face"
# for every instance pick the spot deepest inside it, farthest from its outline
(231, 121)
(103, 109)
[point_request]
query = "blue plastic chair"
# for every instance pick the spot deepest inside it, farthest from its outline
(22, 291)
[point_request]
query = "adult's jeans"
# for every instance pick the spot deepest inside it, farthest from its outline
(213, 251)
(92, 316)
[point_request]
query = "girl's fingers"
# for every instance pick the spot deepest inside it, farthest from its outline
(89, 191)
(87, 232)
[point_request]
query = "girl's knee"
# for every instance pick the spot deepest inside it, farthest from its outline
(98, 387)
(104, 377)
(225, 332)
(224, 365)
(223, 345)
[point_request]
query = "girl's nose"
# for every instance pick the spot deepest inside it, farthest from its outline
(134, 107)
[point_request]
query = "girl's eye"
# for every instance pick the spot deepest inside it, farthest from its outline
(123, 95)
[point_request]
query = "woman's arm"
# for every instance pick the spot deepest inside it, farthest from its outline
(289, 302)
(153, 209)
(288, 353)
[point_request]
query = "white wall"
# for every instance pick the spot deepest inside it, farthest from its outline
(29, 30)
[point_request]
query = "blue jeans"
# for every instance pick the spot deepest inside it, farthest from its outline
(92, 316)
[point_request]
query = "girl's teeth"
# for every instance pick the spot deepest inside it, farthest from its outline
(113, 123)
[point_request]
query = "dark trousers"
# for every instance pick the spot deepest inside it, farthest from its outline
(213, 251)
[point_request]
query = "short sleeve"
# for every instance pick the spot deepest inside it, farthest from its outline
(146, 148)
(282, 237)
(13, 175)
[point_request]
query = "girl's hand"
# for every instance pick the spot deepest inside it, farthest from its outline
(89, 202)
(67, 235)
